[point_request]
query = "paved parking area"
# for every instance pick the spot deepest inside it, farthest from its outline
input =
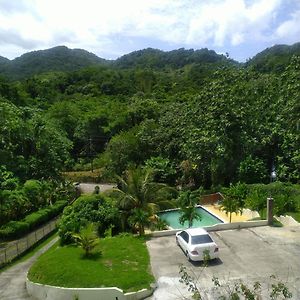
(248, 254)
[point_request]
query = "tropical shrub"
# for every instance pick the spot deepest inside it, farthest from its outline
(96, 208)
(15, 229)
(87, 238)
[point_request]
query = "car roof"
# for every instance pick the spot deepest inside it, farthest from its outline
(196, 231)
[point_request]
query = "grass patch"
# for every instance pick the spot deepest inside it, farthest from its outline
(30, 252)
(295, 215)
(83, 176)
(121, 261)
(276, 223)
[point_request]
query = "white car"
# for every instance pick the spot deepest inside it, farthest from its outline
(197, 244)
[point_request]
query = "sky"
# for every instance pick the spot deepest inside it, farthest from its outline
(113, 28)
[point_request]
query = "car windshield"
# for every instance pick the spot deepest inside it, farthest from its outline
(201, 239)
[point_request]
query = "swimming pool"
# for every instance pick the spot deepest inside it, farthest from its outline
(172, 218)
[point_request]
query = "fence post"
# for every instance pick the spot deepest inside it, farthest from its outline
(270, 204)
(17, 245)
(5, 255)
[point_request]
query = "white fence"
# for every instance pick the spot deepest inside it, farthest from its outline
(11, 250)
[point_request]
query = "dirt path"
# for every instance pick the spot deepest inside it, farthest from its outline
(88, 188)
(12, 281)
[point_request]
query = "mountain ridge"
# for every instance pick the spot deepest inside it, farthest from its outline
(62, 58)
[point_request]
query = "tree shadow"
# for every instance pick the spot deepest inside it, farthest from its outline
(210, 263)
(91, 256)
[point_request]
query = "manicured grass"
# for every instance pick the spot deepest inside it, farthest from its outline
(121, 261)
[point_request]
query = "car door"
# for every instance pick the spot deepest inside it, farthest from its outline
(183, 240)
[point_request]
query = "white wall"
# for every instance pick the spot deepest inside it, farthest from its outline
(224, 226)
(46, 292)
(43, 292)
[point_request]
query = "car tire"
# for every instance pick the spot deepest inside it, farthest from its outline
(188, 256)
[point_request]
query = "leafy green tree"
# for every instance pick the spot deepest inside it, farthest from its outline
(253, 170)
(33, 191)
(164, 170)
(124, 149)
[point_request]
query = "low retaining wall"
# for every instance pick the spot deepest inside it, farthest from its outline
(42, 292)
(216, 227)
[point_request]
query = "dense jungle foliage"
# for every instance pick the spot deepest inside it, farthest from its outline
(198, 118)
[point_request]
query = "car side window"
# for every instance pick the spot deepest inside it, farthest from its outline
(185, 236)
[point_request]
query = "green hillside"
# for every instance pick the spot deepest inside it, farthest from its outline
(274, 59)
(197, 116)
(58, 58)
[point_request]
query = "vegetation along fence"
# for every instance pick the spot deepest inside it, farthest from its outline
(11, 250)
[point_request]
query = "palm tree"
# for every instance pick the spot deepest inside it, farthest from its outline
(231, 205)
(234, 199)
(138, 193)
(188, 204)
(87, 238)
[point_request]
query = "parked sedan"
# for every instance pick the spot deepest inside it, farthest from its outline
(197, 244)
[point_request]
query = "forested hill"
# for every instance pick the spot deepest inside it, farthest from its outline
(274, 59)
(157, 59)
(3, 60)
(197, 116)
(58, 58)
(64, 59)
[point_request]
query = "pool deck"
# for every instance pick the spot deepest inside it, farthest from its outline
(215, 209)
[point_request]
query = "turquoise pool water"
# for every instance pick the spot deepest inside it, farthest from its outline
(172, 217)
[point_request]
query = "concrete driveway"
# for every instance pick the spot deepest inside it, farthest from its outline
(249, 254)
(13, 280)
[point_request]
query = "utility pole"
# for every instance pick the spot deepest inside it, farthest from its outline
(90, 154)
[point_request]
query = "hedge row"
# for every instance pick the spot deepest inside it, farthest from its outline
(16, 229)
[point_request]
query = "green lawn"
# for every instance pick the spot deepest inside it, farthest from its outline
(122, 262)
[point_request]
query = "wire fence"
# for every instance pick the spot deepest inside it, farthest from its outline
(11, 250)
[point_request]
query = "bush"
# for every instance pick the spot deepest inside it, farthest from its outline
(42, 216)
(15, 229)
(286, 197)
(96, 209)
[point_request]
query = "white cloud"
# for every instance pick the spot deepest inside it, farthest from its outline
(95, 24)
(290, 29)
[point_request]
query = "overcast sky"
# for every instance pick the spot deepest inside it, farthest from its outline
(116, 27)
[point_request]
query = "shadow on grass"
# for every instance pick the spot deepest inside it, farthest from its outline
(91, 256)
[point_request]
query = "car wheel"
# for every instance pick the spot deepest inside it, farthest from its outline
(188, 256)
